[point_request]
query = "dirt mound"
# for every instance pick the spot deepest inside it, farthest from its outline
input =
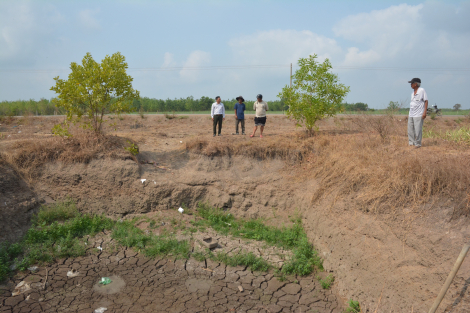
(291, 147)
(29, 156)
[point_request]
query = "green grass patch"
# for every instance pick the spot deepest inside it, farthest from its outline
(56, 232)
(460, 135)
(304, 260)
(128, 235)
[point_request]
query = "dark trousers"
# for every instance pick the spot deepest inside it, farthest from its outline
(237, 121)
(218, 118)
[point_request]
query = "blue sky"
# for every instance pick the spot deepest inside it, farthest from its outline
(385, 42)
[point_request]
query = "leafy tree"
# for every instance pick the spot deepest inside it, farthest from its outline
(457, 106)
(315, 93)
(359, 106)
(93, 89)
(393, 106)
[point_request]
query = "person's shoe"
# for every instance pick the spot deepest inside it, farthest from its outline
(219, 135)
(243, 134)
(251, 136)
(214, 135)
(416, 147)
(260, 136)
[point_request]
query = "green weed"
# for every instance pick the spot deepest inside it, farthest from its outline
(133, 148)
(327, 282)
(353, 307)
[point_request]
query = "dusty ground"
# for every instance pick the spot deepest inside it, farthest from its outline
(389, 262)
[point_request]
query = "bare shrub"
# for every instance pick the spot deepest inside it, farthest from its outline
(385, 126)
(28, 156)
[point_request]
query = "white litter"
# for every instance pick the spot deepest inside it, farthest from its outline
(19, 132)
(181, 141)
(99, 248)
(27, 298)
(228, 224)
(154, 182)
(33, 268)
(240, 288)
(72, 273)
(21, 288)
(181, 210)
(143, 180)
(100, 310)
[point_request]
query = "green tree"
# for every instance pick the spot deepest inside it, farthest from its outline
(457, 106)
(393, 106)
(93, 89)
(315, 93)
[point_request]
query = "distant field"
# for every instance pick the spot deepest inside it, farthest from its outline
(405, 112)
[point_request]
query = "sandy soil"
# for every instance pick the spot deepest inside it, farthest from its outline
(389, 262)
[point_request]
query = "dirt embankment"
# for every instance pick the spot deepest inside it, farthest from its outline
(17, 203)
(393, 260)
(396, 264)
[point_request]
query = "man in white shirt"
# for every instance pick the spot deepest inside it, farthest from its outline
(260, 107)
(217, 114)
(418, 108)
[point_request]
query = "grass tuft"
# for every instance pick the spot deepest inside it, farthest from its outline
(353, 307)
(327, 282)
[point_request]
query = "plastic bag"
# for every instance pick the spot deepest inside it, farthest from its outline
(105, 281)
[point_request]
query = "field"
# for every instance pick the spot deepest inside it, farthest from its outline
(386, 221)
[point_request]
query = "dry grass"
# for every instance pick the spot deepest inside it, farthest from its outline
(290, 147)
(391, 174)
(29, 156)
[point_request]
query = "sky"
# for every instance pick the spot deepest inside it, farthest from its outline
(228, 48)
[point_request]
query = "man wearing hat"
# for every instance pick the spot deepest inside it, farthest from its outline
(239, 115)
(418, 108)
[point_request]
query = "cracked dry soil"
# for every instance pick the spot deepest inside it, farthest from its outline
(162, 285)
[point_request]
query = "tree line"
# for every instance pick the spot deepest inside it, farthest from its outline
(142, 104)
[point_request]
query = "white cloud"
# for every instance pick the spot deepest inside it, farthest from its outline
(168, 60)
(354, 57)
(195, 59)
(386, 33)
(23, 27)
(282, 47)
(88, 20)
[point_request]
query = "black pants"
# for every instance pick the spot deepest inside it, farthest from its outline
(238, 121)
(218, 118)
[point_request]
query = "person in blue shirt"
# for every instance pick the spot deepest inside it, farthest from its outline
(239, 115)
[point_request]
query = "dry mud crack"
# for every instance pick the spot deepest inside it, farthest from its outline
(162, 285)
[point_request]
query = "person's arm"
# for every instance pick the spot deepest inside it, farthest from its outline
(223, 112)
(425, 98)
(425, 109)
(212, 112)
